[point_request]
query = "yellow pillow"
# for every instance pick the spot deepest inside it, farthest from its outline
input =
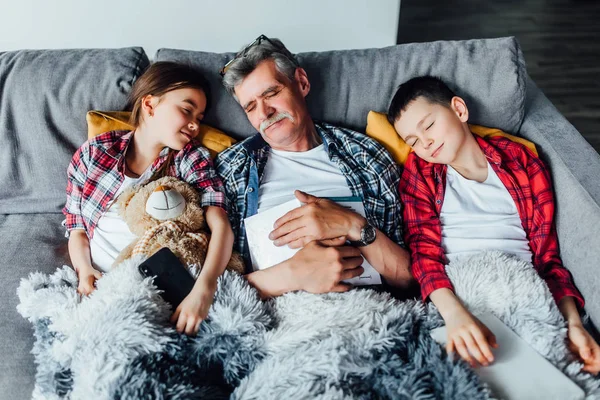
(380, 129)
(103, 121)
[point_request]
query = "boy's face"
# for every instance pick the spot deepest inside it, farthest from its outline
(435, 133)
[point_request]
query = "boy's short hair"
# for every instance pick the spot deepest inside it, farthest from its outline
(433, 89)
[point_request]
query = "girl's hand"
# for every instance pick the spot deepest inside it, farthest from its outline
(194, 308)
(585, 347)
(87, 280)
(470, 337)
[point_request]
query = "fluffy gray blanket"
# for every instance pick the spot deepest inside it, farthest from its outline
(117, 343)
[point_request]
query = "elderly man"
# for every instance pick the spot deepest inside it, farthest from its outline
(294, 156)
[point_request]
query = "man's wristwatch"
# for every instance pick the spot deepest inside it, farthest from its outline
(367, 236)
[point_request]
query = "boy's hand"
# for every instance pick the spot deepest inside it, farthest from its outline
(583, 345)
(87, 280)
(470, 337)
(194, 308)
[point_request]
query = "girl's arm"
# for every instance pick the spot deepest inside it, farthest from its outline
(79, 251)
(79, 244)
(220, 245)
(194, 308)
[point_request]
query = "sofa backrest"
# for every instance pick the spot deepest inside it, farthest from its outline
(44, 96)
(489, 73)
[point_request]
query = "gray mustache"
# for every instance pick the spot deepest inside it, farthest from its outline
(276, 118)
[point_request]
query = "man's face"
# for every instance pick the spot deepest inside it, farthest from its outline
(274, 104)
(435, 132)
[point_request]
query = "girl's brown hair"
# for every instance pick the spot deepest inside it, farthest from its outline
(160, 78)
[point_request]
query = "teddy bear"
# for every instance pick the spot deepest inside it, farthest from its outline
(167, 213)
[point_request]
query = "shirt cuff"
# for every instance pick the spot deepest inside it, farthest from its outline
(433, 282)
(72, 222)
(559, 292)
(217, 199)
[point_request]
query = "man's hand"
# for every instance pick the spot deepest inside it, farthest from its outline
(194, 308)
(320, 269)
(317, 219)
(585, 347)
(87, 280)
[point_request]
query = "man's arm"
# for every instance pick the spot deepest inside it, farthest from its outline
(388, 258)
(323, 220)
(316, 268)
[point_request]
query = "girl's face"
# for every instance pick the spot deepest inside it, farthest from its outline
(173, 119)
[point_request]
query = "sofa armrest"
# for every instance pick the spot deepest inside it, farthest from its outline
(575, 168)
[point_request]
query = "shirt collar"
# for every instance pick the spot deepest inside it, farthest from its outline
(490, 152)
(119, 147)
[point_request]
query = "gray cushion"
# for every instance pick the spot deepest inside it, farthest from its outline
(28, 243)
(345, 85)
(44, 95)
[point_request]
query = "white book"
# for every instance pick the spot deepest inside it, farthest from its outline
(265, 254)
(518, 371)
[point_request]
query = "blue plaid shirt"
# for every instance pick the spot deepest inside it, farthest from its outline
(370, 172)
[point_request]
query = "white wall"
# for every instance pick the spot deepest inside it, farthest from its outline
(217, 26)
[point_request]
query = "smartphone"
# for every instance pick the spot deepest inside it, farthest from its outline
(170, 276)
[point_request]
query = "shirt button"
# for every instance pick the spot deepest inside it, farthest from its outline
(250, 190)
(438, 202)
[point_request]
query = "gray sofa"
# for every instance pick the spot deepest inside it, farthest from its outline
(44, 96)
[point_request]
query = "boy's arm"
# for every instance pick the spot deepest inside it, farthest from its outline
(466, 334)
(543, 238)
(580, 341)
(422, 230)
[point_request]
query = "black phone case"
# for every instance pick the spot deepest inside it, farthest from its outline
(170, 276)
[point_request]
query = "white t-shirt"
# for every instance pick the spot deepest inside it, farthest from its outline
(111, 234)
(310, 171)
(479, 216)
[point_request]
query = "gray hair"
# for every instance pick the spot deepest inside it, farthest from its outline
(271, 49)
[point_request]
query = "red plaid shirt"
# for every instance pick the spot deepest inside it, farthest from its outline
(96, 173)
(525, 176)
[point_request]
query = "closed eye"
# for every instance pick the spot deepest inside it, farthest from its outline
(430, 125)
(272, 94)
